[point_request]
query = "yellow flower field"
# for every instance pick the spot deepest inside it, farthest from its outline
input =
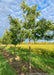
(40, 49)
(46, 47)
(47, 50)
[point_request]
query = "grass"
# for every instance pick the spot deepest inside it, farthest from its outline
(5, 68)
(42, 61)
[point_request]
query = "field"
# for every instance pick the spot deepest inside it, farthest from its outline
(42, 56)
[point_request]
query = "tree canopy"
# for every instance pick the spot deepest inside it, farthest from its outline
(30, 14)
(44, 29)
(15, 30)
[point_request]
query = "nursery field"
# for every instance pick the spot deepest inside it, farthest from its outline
(42, 56)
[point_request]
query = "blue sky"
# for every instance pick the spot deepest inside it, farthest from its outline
(12, 7)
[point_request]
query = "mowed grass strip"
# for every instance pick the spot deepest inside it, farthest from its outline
(38, 61)
(5, 68)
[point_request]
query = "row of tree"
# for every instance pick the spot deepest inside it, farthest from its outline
(28, 28)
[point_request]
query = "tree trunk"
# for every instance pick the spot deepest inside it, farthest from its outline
(15, 51)
(29, 57)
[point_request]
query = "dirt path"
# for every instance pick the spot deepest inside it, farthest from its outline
(20, 66)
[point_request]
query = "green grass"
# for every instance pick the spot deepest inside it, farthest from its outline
(5, 68)
(38, 61)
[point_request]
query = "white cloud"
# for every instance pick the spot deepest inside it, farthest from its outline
(8, 1)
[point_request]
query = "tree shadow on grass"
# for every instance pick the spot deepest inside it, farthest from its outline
(19, 65)
(5, 68)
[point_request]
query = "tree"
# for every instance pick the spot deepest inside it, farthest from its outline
(16, 31)
(6, 38)
(30, 14)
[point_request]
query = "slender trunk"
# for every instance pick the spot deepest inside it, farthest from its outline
(29, 57)
(15, 51)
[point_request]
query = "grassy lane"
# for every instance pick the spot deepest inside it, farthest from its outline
(5, 68)
(44, 63)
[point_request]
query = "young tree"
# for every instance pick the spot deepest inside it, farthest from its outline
(6, 38)
(16, 31)
(30, 14)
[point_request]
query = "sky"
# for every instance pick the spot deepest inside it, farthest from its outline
(12, 7)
